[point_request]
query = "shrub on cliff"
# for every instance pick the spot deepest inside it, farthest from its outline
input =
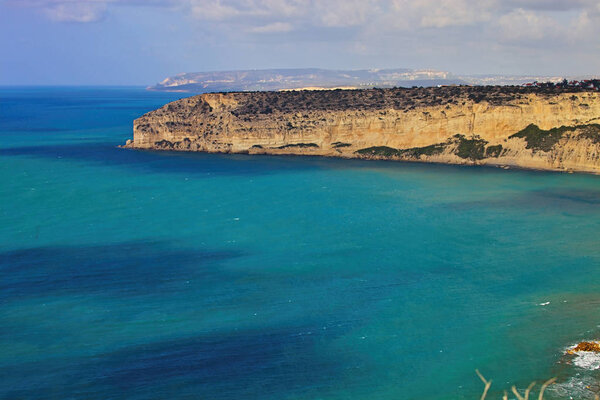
(493, 151)
(431, 150)
(379, 151)
(473, 149)
(544, 140)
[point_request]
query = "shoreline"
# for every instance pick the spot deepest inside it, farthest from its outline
(503, 166)
(551, 130)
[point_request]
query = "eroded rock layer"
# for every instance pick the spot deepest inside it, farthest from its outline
(552, 128)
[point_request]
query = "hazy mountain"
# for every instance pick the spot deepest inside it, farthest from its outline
(279, 79)
(503, 80)
(315, 78)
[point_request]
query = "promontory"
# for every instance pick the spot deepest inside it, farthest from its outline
(552, 127)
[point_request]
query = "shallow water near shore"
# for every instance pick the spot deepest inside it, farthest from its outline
(154, 275)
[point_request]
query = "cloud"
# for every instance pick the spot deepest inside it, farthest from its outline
(495, 21)
(549, 5)
(67, 10)
(344, 13)
(76, 12)
(523, 24)
(213, 10)
(273, 28)
(231, 9)
(463, 36)
(442, 13)
(81, 10)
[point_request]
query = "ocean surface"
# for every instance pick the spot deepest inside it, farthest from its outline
(157, 275)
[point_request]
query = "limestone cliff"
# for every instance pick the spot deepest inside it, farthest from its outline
(556, 129)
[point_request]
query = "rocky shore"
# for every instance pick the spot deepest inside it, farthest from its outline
(527, 127)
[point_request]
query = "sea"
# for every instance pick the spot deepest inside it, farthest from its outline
(129, 274)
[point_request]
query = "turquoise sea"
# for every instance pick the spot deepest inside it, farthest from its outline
(157, 275)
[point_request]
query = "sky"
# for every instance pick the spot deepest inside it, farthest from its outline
(141, 42)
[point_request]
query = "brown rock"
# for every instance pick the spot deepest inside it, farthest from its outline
(418, 124)
(585, 346)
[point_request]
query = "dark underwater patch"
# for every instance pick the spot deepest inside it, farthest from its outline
(148, 161)
(273, 362)
(126, 269)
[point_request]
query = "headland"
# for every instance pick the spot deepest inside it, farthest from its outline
(543, 126)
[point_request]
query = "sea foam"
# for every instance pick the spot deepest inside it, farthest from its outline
(587, 360)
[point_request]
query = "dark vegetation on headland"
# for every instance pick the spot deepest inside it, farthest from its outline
(405, 99)
(338, 145)
(544, 140)
(475, 148)
(300, 145)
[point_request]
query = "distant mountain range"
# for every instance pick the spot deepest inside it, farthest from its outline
(314, 78)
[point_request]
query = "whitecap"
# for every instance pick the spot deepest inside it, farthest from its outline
(587, 360)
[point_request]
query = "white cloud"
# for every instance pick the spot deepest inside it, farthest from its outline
(497, 21)
(343, 13)
(523, 24)
(76, 12)
(548, 5)
(275, 27)
(229, 9)
(442, 13)
(82, 10)
(213, 10)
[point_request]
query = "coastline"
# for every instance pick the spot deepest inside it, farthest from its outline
(491, 165)
(500, 126)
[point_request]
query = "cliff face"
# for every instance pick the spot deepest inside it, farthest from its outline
(557, 130)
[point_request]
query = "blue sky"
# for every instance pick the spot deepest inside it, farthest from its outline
(140, 42)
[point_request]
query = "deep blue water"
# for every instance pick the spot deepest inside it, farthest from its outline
(156, 275)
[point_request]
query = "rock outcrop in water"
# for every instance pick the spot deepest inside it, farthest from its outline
(541, 128)
(585, 346)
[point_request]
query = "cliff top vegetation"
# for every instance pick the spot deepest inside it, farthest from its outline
(252, 103)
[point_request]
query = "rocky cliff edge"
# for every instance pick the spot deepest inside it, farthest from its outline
(553, 129)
